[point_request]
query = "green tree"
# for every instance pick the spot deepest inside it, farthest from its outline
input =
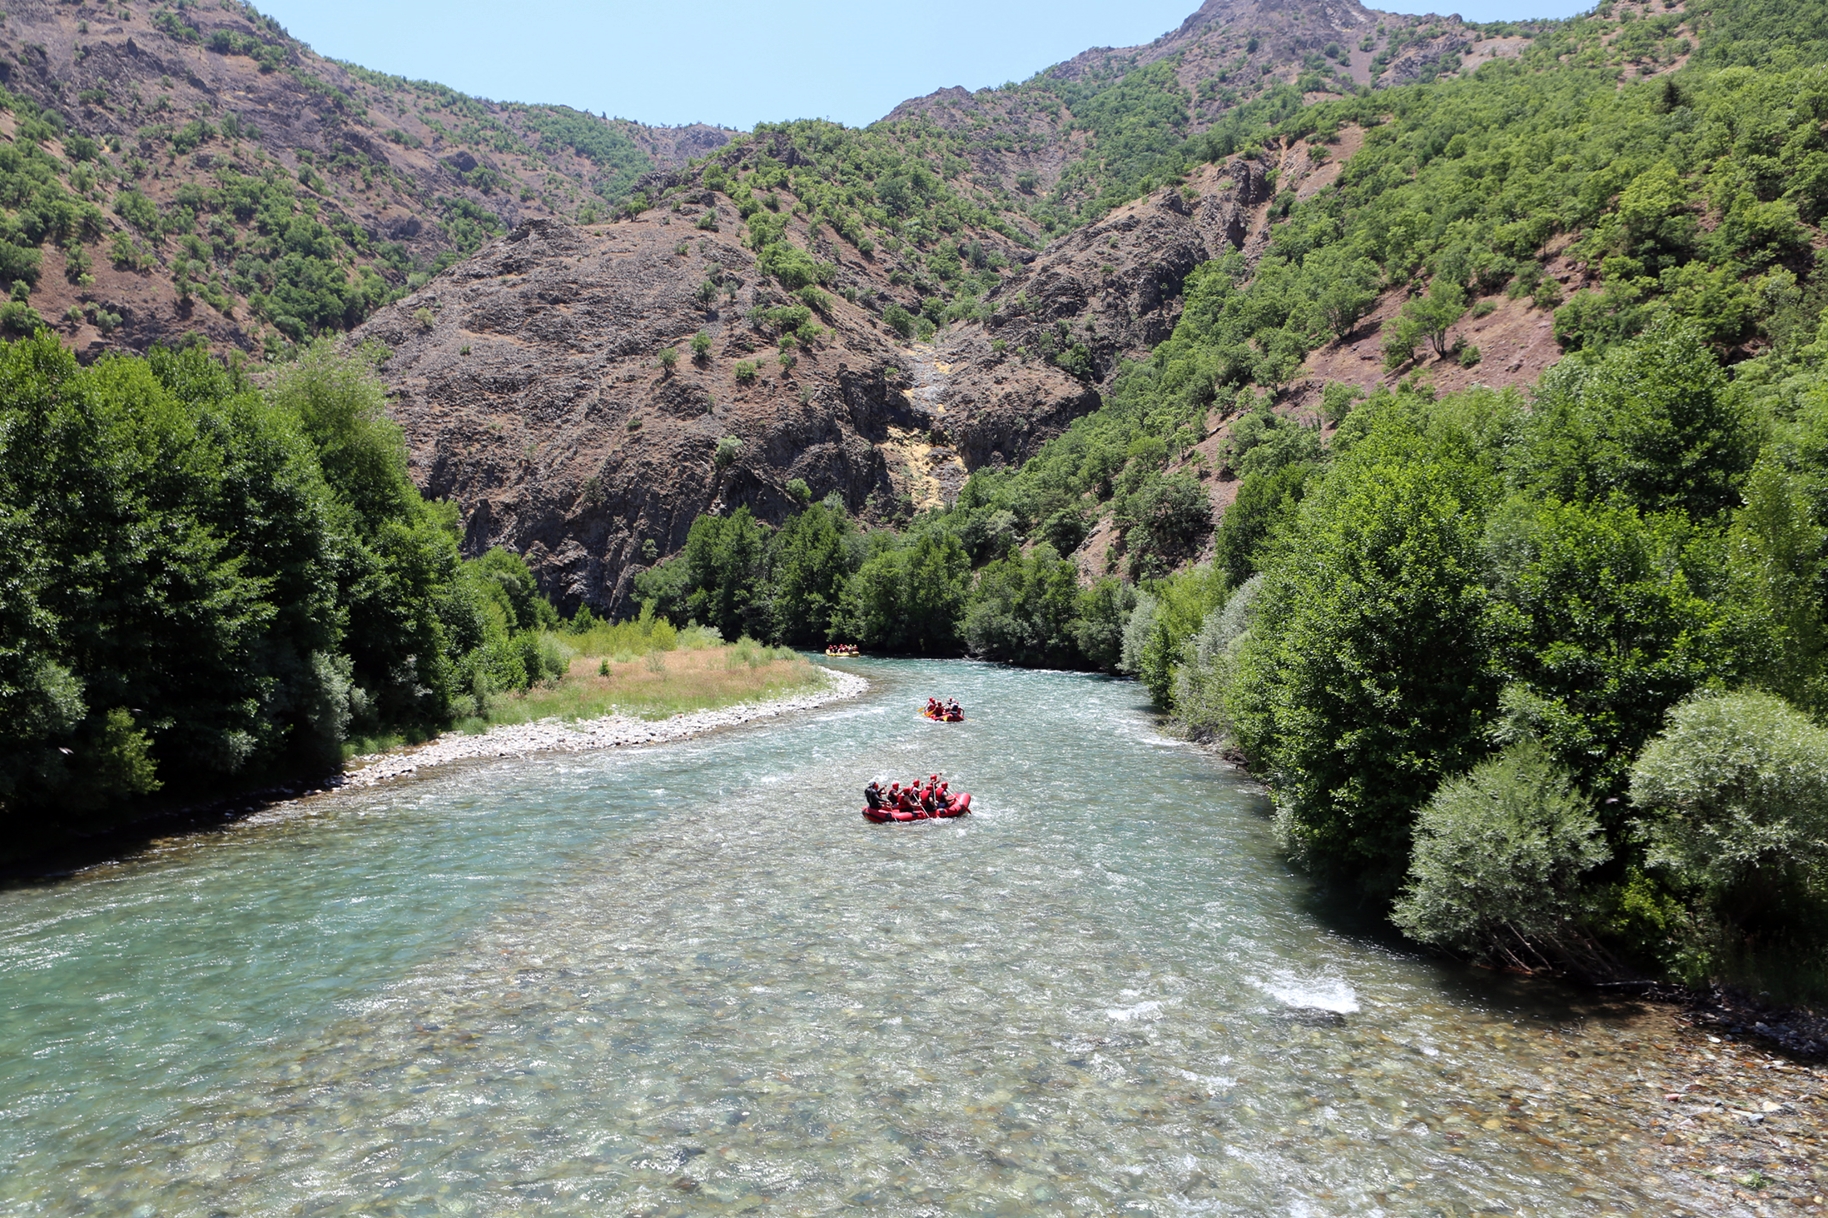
(1024, 610)
(1104, 609)
(173, 572)
(341, 405)
(1176, 609)
(723, 558)
(1774, 558)
(1347, 292)
(1365, 680)
(1266, 501)
(1595, 624)
(809, 559)
(1429, 319)
(1164, 521)
(396, 575)
(1653, 420)
(909, 598)
(504, 574)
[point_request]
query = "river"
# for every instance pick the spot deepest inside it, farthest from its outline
(691, 979)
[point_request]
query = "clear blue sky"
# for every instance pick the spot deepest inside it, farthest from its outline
(740, 62)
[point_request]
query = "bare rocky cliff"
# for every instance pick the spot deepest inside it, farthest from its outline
(533, 389)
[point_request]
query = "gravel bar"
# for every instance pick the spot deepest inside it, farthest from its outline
(609, 732)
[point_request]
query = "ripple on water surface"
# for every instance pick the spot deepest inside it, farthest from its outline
(691, 979)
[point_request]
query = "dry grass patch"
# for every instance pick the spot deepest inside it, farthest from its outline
(659, 684)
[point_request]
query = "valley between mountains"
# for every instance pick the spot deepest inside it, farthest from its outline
(1429, 417)
(526, 266)
(534, 391)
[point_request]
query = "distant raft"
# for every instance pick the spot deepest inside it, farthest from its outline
(959, 806)
(843, 651)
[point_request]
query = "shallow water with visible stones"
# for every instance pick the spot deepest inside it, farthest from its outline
(691, 979)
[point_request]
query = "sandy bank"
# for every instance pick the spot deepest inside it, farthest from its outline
(609, 732)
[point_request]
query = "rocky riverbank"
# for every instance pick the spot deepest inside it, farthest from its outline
(1746, 1125)
(608, 732)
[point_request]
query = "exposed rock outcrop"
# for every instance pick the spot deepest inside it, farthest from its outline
(530, 382)
(532, 388)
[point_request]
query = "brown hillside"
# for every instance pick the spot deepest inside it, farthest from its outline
(404, 176)
(530, 379)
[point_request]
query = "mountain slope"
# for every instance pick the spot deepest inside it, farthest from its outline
(1095, 131)
(212, 175)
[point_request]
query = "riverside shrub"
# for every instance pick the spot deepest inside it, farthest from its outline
(1023, 609)
(1733, 800)
(1500, 866)
(1365, 680)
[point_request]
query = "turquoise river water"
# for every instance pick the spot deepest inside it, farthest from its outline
(691, 979)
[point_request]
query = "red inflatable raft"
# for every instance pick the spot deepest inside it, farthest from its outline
(946, 717)
(960, 805)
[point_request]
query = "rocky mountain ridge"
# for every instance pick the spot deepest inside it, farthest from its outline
(1032, 137)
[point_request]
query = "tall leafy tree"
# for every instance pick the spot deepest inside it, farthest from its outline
(910, 598)
(1653, 421)
(723, 559)
(1596, 624)
(809, 559)
(1024, 608)
(1366, 681)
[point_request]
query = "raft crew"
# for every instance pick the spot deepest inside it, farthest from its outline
(928, 798)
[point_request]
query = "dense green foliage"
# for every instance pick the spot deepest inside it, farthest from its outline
(617, 158)
(210, 584)
(1460, 576)
(1734, 797)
